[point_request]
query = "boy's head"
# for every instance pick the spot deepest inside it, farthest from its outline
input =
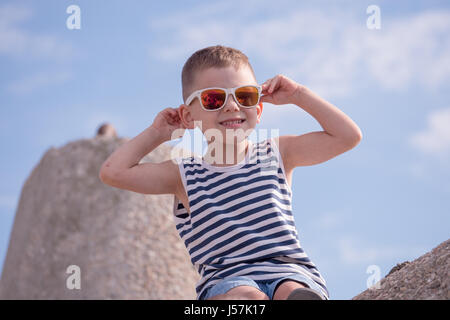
(210, 57)
(217, 66)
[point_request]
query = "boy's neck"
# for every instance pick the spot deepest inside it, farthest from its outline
(232, 154)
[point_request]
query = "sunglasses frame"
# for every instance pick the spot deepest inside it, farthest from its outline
(197, 94)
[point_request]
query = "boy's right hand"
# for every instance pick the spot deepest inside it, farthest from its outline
(168, 124)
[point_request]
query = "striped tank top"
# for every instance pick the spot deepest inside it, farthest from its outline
(241, 221)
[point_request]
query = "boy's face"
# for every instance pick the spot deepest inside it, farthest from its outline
(224, 78)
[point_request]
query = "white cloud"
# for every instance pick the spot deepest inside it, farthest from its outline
(8, 201)
(37, 81)
(330, 50)
(435, 139)
(329, 221)
(411, 49)
(16, 41)
(352, 251)
(12, 39)
(418, 170)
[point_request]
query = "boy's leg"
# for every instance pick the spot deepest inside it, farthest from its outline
(241, 293)
(285, 288)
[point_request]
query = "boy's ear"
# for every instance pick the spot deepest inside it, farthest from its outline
(259, 109)
(185, 114)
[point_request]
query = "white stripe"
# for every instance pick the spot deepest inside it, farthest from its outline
(225, 175)
(240, 190)
(242, 239)
(237, 221)
(234, 259)
(249, 206)
(194, 174)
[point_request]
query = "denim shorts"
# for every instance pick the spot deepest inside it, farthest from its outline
(266, 286)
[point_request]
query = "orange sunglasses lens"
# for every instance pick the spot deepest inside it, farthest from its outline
(247, 96)
(213, 99)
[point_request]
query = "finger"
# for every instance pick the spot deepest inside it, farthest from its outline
(265, 85)
(274, 84)
(266, 98)
(268, 82)
(175, 117)
(179, 111)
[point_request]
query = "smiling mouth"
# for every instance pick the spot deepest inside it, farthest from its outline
(232, 124)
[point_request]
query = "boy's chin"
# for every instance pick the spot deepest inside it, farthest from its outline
(233, 140)
(227, 135)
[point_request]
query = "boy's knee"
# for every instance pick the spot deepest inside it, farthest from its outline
(254, 294)
(243, 293)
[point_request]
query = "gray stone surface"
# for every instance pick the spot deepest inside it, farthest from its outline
(426, 278)
(125, 243)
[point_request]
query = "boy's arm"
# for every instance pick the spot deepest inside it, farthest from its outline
(339, 135)
(121, 169)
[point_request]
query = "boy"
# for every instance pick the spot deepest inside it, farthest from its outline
(233, 209)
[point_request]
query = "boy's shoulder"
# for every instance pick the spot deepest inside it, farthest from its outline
(194, 159)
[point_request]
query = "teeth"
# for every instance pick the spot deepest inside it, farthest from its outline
(232, 122)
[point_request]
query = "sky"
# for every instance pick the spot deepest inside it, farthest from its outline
(359, 214)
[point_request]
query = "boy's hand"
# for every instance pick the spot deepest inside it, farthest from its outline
(166, 122)
(280, 90)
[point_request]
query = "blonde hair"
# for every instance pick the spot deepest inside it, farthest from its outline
(215, 56)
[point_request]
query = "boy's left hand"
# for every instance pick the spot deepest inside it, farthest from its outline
(280, 90)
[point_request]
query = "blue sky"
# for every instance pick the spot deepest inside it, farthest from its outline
(383, 202)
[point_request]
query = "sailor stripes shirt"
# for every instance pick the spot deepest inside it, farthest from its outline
(241, 221)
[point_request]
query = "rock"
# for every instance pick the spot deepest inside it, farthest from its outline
(398, 267)
(124, 243)
(107, 130)
(426, 278)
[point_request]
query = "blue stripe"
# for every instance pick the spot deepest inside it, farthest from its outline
(224, 254)
(308, 267)
(192, 192)
(184, 232)
(192, 161)
(235, 196)
(197, 171)
(237, 235)
(237, 206)
(230, 178)
(217, 224)
(250, 273)
(247, 166)
(242, 216)
(271, 254)
(235, 267)
(234, 226)
(181, 225)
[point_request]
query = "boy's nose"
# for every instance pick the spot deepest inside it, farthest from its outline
(231, 104)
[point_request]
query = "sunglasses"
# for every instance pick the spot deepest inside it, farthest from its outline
(213, 99)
